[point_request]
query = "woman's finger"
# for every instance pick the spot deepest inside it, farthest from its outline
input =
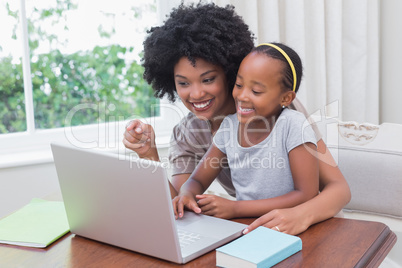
(264, 219)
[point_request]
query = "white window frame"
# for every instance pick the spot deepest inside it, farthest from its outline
(33, 145)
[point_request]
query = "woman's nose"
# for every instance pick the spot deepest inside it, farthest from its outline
(197, 92)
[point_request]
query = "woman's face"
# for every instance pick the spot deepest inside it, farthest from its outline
(203, 88)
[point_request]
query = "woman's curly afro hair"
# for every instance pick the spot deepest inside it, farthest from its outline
(215, 34)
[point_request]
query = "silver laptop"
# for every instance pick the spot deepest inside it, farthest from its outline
(127, 203)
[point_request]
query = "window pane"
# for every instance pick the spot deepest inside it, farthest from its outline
(12, 108)
(85, 60)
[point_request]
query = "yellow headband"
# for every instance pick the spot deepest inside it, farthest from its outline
(287, 58)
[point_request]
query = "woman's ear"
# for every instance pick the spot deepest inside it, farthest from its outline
(287, 98)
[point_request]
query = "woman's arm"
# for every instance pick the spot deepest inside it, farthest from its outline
(140, 138)
(304, 166)
(335, 194)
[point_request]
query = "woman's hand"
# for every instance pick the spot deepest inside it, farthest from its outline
(216, 206)
(140, 138)
(184, 200)
(289, 220)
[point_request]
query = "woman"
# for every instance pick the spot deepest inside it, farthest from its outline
(199, 49)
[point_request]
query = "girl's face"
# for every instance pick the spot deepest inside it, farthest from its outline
(257, 92)
(203, 88)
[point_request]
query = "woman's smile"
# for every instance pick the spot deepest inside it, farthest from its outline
(202, 105)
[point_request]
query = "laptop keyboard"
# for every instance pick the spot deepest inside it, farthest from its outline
(187, 238)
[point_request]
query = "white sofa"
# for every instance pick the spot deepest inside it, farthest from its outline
(370, 158)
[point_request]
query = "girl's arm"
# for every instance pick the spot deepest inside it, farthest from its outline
(334, 195)
(204, 174)
(304, 166)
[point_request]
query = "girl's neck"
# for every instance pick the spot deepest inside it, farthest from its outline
(215, 122)
(253, 133)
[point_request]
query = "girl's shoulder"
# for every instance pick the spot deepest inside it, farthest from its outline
(231, 117)
(291, 119)
(292, 115)
(229, 121)
(298, 106)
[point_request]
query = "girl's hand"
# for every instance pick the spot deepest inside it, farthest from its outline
(184, 200)
(140, 138)
(216, 206)
(288, 220)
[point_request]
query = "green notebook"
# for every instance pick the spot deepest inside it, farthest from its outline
(37, 224)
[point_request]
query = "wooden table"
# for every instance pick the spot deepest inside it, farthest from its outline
(336, 242)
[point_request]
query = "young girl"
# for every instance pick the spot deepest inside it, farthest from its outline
(262, 135)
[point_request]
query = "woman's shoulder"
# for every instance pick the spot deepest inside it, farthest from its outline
(191, 121)
(192, 129)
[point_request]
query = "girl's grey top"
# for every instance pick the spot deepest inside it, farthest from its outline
(263, 171)
(191, 139)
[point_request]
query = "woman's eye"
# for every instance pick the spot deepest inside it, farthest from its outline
(209, 80)
(182, 83)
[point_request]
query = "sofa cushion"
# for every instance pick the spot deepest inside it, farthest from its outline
(375, 180)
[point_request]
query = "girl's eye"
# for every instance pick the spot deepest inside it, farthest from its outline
(256, 92)
(238, 85)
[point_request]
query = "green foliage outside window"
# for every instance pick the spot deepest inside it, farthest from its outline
(98, 76)
(61, 82)
(12, 113)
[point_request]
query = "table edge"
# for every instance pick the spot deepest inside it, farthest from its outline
(380, 248)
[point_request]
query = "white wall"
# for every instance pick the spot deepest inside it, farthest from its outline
(18, 185)
(391, 61)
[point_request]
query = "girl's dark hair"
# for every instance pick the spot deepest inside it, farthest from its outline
(206, 31)
(287, 71)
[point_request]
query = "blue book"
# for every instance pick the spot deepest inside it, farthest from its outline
(261, 247)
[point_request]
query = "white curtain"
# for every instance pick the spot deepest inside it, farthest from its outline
(338, 42)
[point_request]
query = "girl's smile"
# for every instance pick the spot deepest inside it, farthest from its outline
(242, 110)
